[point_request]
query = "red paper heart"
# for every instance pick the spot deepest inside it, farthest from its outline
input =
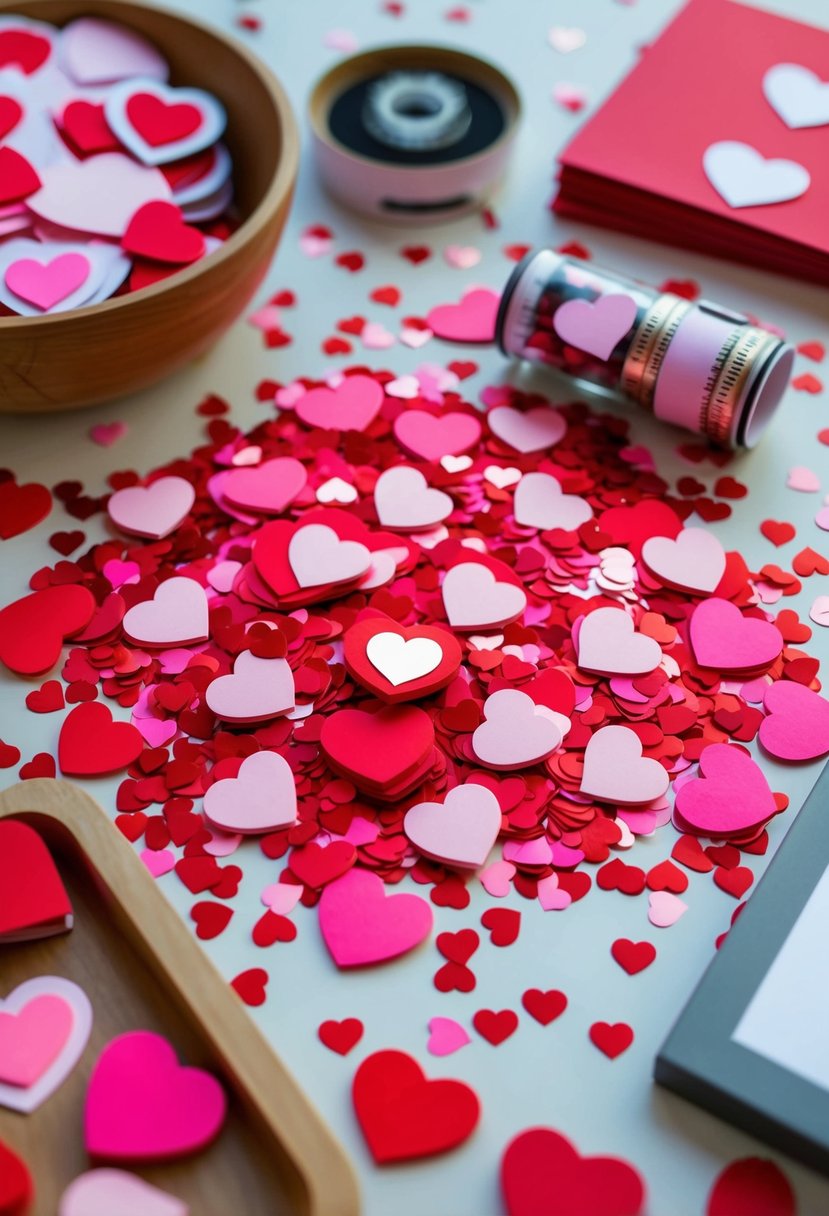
(362, 669)
(341, 1036)
(503, 924)
(11, 113)
(158, 231)
(633, 956)
(495, 1025)
(752, 1186)
(458, 947)
(542, 1173)
(403, 1115)
(16, 1187)
(210, 919)
(18, 178)
(611, 1038)
(32, 629)
(159, 122)
(272, 928)
(24, 49)
(22, 507)
(47, 699)
(545, 1007)
(84, 124)
(250, 986)
(34, 902)
(317, 866)
(90, 743)
(777, 531)
(377, 748)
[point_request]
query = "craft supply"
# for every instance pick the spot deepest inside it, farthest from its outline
(419, 133)
(34, 902)
(45, 1025)
(696, 365)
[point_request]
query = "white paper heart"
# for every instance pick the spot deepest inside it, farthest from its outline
(94, 51)
(402, 661)
(798, 95)
(744, 178)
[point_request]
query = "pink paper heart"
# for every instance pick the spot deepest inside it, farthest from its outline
(109, 1192)
(257, 690)
(537, 852)
(360, 924)
(803, 479)
(609, 644)
(176, 614)
(376, 337)
(99, 195)
(32, 1038)
(819, 611)
(45, 284)
(261, 798)
(665, 908)
(352, 406)
(282, 897)
(474, 599)
(730, 796)
(551, 896)
(99, 52)
(596, 327)
(472, 320)
(527, 431)
(433, 437)
(461, 830)
(142, 1105)
(724, 639)
(156, 731)
(462, 257)
(497, 879)
(107, 433)
(540, 503)
(403, 499)
(516, 732)
(153, 511)
(616, 771)
(695, 561)
(268, 487)
(446, 1036)
(158, 861)
(797, 726)
(317, 556)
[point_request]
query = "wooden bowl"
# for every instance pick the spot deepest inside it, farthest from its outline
(100, 352)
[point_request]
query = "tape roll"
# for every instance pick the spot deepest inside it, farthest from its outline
(406, 133)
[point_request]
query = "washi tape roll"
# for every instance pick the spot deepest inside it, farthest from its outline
(413, 132)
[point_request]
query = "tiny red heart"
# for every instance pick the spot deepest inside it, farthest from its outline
(611, 1038)
(250, 986)
(633, 957)
(158, 231)
(503, 924)
(210, 919)
(545, 1007)
(495, 1025)
(341, 1036)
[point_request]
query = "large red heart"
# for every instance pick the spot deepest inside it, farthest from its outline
(90, 743)
(361, 668)
(158, 231)
(404, 1115)
(752, 1186)
(18, 178)
(632, 526)
(158, 122)
(24, 49)
(379, 748)
(21, 507)
(32, 629)
(541, 1172)
(34, 902)
(16, 1189)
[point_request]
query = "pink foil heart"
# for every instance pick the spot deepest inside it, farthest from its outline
(177, 614)
(45, 284)
(730, 796)
(110, 1192)
(461, 830)
(797, 726)
(152, 511)
(540, 503)
(596, 327)
(472, 320)
(262, 798)
(432, 437)
(268, 487)
(527, 431)
(723, 638)
(361, 925)
(352, 406)
(446, 1036)
(695, 561)
(609, 644)
(616, 771)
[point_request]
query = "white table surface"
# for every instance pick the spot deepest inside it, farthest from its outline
(547, 1076)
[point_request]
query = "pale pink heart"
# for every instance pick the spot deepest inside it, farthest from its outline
(616, 771)
(797, 726)
(142, 1105)
(360, 924)
(803, 479)
(695, 561)
(730, 796)
(537, 852)
(352, 406)
(158, 861)
(551, 896)
(462, 257)
(401, 660)
(376, 337)
(110, 1192)
(724, 639)
(288, 396)
(257, 690)
(156, 731)
(471, 320)
(265, 318)
(336, 490)
(107, 433)
(32, 1038)
(564, 39)
(527, 431)
(446, 1036)
(45, 284)
(381, 571)
(516, 732)
(44, 1027)
(341, 40)
(456, 464)
(268, 487)
(572, 97)
(501, 477)
(282, 897)
(540, 503)
(597, 326)
(176, 614)
(433, 437)
(404, 499)
(99, 195)
(153, 511)
(315, 246)
(317, 556)
(223, 575)
(461, 830)
(474, 599)
(100, 52)
(261, 798)
(665, 908)
(497, 879)
(404, 388)
(118, 573)
(609, 644)
(221, 844)
(819, 611)
(415, 338)
(822, 519)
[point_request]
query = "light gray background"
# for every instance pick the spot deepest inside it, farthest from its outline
(551, 1076)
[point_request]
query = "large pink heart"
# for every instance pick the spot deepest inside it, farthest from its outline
(32, 1039)
(142, 1105)
(99, 52)
(461, 830)
(725, 639)
(267, 488)
(731, 796)
(153, 511)
(433, 437)
(616, 771)
(361, 925)
(596, 327)
(99, 195)
(527, 431)
(516, 732)
(474, 599)
(317, 557)
(177, 614)
(257, 690)
(403, 499)
(609, 644)
(797, 726)
(539, 503)
(45, 284)
(352, 406)
(695, 561)
(261, 798)
(472, 320)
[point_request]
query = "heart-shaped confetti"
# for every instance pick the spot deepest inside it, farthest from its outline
(608, 643)
(745, 178)
(176, 615)
(695, 561)
(105, 1192)
(154, 510)
(261, 798)
(45, 1024)
(460, 831)
(361, 926)
(532, 431)
(541, 1171)
(597, 326)
(540, 503)
(723, 638)
(798, 95)
(475, 599)
(35, 903)
(471, 320)
(731, 794)
(616, 771)
(797, 726)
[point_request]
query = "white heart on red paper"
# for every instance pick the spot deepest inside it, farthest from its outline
(261, 798)
(98, 195)
(616, 771)
(159, 124)
(177, 615)
(744, 178)
(608, 644)
(404, 499)
(461, 830)
(798, 95)
(258, 689)
(540, 503)
(402, 661)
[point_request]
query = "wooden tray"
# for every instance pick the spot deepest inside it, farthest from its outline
(133, 955)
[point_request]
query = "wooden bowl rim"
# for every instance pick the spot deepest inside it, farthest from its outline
(279, 189)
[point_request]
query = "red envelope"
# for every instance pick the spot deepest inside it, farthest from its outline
(637, 165)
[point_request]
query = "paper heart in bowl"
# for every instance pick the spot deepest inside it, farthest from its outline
(53, 276)
(99, 195)
(111, 1192)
